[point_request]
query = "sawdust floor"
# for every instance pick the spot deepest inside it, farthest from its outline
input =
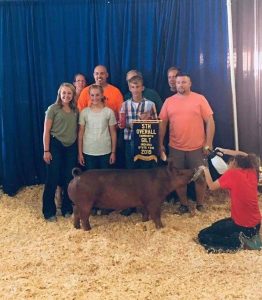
(120, 258)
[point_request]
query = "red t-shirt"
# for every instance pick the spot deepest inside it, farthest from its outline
(242, 185)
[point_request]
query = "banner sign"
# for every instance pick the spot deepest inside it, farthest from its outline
(146, 139)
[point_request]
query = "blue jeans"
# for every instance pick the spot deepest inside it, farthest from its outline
(59, 171)
(97, 162)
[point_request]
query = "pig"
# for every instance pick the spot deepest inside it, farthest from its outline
(119, 189)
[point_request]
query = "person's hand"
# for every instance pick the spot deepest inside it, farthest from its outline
(163, 153)
(221, 151)
(81, 159)
(207, 149)
(47, 157)
(145, 116)
(112, 158)
(202, 168)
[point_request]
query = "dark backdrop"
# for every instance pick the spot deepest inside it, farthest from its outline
(247, 25)
(43, 43)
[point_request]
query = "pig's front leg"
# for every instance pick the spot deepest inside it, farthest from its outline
(145, 214)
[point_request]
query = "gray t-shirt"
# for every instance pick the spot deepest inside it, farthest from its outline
(97, 138)
(64, 126)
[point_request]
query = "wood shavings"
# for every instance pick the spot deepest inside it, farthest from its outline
(120, 258)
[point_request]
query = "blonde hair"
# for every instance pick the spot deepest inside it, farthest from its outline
(97, 87)
(72, 104)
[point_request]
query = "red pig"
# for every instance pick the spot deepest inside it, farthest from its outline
(120, 189)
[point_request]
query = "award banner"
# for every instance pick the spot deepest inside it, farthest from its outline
(146, 139)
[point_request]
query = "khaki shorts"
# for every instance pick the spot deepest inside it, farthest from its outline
(186, 159)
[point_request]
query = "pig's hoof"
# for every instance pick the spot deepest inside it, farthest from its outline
(77, 225)
(159, 225)
(87, 228)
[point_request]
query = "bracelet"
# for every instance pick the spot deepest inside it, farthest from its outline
(46, 151)
(112, 152)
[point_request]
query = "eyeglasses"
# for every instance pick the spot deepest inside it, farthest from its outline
(80, 80)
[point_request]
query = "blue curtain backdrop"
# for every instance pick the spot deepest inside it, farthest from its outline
(43, 43)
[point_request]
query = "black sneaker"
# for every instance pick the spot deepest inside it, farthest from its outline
(183, 209)
(128, 211)
(68, 215)
(106, 211)
(51, 219)
(200, 207)
(94, 211)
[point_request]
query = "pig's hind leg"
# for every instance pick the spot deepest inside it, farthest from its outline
(76, 217)
(84, 216)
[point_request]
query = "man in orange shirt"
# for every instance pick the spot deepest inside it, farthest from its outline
(191, 132)
(113, 97)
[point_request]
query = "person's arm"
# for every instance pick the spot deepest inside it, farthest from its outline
(212, 185)
(112, 131)
(162, 133)
(82, 101)
(154, 112)
(46, 140)
(81, 131)
(119, 101)
(210, 132)
(231, 152)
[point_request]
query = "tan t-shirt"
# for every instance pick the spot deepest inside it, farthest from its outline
(97, 138)
(186, 115)
(64, 126)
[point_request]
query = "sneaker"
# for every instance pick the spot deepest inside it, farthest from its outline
(200, 207)
(128, 211)
(94, 211)
(67, 215)
(51, 219)
(253, 243)
(183, 209)
(172, 198)
(106, 212)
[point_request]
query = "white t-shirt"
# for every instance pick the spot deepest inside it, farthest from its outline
(97, 139)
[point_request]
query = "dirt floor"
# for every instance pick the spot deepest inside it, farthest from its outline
(120, 258)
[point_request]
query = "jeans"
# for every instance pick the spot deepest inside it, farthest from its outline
(224, 235)
(97, 162)
(59, 171)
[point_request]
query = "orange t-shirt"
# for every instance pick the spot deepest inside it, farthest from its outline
(186, 115)
(114, 98)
